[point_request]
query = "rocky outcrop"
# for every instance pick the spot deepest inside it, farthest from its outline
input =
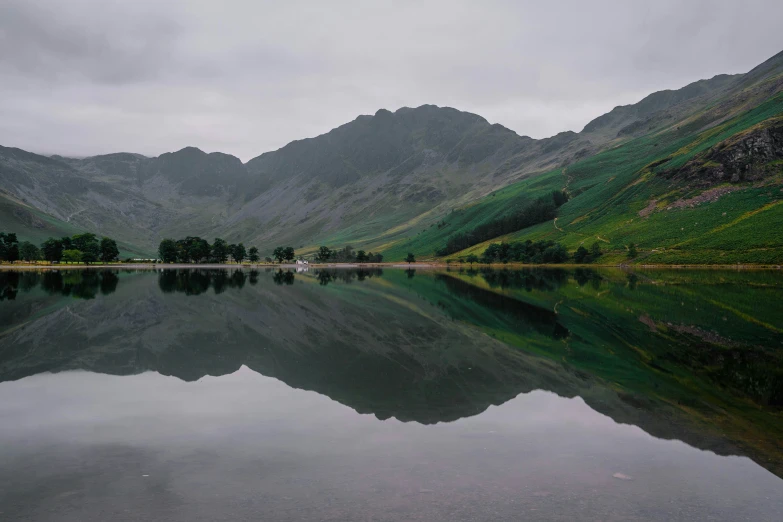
(750, 156)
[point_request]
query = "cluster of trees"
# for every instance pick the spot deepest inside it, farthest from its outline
(194, 249)
(583, 255)
(538, 252)
(284, 254)
(80, 248)
(539, 211)
(346, 255)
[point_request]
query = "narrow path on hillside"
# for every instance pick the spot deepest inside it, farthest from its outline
(565, 189)
(68, 219)
(568, 181)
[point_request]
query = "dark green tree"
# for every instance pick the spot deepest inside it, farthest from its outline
(109, 250)
(52, 249)
(72, 256)
(345, 255)
(239, 253)
(472, 258)
(362, 257)
(252, 255)
(267, 259)
(88, 245)
(183, 251)
(289, 253)
(410, 258)
(9, 247)
(220, 250)
(581, 255)
(29, 252)
(199, 249)
(323, 255)
(168, 251)
(595, 251)
(554, 254)
(632, 253)
(279, 254)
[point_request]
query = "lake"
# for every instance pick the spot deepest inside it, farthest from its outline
(391, 395)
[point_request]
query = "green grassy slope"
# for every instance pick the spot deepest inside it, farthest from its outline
(30, 224)
(622, 195)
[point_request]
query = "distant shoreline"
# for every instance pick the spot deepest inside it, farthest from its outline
(423, 265)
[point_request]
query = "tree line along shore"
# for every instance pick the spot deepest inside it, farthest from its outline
(87, 248)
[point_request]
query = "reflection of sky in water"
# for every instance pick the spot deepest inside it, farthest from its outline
(84, 446)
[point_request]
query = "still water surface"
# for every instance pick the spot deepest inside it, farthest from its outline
(190, 395)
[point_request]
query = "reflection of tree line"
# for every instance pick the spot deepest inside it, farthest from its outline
(195, 282)
(82, 284)
(546, 280)
(326, 276)
(541, 279)
(524, 315)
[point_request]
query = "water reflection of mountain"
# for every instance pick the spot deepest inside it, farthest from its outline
(427, 349)
(387, 360)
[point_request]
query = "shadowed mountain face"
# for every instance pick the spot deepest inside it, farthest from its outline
(378, 181)
(672, 353)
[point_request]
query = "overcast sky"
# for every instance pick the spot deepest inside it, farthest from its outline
(82, 77)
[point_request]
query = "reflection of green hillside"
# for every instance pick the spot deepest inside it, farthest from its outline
(703, 348)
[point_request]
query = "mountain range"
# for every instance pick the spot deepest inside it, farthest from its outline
(690, 175)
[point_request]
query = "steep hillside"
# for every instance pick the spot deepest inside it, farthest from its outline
(706, 189)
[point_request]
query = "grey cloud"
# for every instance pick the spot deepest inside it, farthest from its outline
(245, 77)
(62, 44)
